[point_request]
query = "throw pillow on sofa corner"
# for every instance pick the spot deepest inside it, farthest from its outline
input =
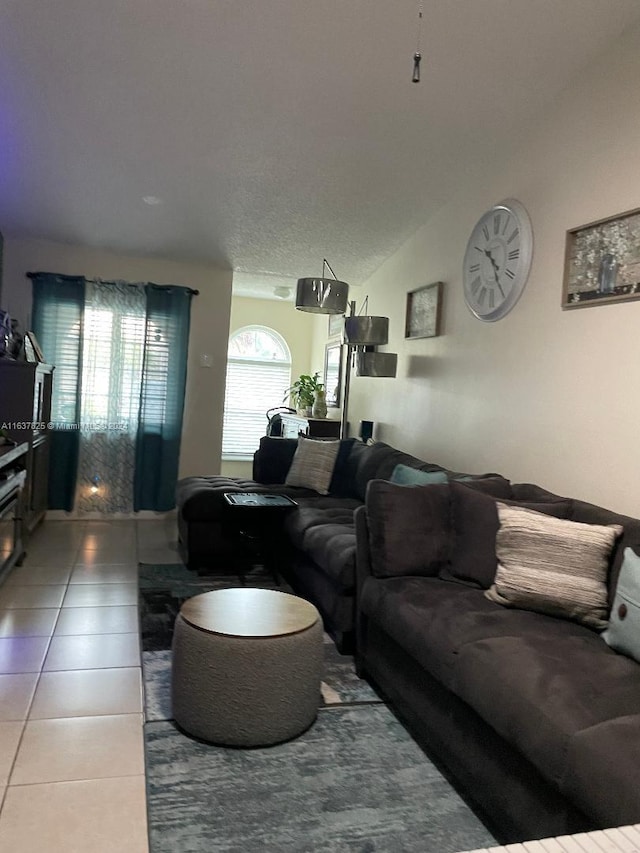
(409, 528)
(623, 633)
(312, 465)
(552, 565)
(404, 475)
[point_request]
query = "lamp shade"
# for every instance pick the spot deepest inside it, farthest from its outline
(378, 364)
(322, 295)
(366, 331)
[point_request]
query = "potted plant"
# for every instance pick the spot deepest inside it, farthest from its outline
(302, 393)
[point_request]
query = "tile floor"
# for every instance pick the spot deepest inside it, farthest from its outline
(71, 748)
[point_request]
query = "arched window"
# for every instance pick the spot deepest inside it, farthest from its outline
(258, 375)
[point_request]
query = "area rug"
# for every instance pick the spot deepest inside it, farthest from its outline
(355, 781)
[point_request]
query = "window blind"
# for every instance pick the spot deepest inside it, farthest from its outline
(253, 387)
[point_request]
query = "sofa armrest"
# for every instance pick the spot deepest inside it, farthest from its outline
(272, 460)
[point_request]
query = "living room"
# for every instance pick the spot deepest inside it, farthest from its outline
(544, 394)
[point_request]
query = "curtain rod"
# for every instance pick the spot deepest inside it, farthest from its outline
(102, 281)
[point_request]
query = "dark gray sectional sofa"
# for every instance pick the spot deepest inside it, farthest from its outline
(319, 541)
(533, 715)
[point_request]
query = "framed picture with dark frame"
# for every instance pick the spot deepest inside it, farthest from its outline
(333, 374)
(602, 262)
(424, 311)
(336, 324)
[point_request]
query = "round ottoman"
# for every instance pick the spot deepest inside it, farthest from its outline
(247, 665)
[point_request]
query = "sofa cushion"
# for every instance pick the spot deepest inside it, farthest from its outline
(377, 461)
(272, 460)
(312, 465)
(409, 528)
(540, 688)
(611, 794)
(432, 620)
(488, 484)
(475, 525)
(553, 565)
(623, 632)
(323, 529)
(341, 485)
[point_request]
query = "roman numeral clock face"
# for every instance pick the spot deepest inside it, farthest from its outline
(498, 260)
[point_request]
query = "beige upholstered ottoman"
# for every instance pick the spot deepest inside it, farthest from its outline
(247, 665)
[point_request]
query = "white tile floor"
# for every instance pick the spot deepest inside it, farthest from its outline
(71, 748)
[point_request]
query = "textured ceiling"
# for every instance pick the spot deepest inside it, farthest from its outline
(273, 132)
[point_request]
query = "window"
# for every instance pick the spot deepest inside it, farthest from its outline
(258, 375)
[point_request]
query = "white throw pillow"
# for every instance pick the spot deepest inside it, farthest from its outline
(313, 464)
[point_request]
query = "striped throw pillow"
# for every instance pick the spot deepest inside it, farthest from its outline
(552, 565)
(312, 465)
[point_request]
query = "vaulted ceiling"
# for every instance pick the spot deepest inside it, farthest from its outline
(264, 135)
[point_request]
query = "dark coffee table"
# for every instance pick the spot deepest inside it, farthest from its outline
(256, 524)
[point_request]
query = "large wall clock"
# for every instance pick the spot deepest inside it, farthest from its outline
(498, 260)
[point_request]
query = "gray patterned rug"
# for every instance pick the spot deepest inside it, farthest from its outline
(355, 781)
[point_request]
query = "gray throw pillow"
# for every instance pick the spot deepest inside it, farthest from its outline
(312, 465)
(552, 565)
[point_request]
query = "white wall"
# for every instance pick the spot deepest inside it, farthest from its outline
(544, 395)
(296, 328)
(202, 428)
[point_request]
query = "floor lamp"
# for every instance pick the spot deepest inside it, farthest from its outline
(360, 335)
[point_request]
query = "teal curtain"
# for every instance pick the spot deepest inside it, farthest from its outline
(61, 305)
(164, 378)
(57, 320)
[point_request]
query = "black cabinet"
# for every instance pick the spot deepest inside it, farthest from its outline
(25, 412)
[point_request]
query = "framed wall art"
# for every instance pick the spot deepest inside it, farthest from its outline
(332, 373)
(424, 311)
(336, 324)
(602, 262)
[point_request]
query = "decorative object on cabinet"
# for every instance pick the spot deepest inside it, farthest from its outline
(29, 352)
(302, 393)
(294, 425)
(424, 311)
(319, 408)
(25, 411)
(366, 431)
(333, 373)
(36, 346)
(602, 262)
(498, 260)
